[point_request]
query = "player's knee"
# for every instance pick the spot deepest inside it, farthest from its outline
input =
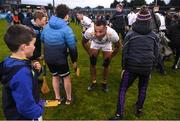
(106, 62)
(93, 60)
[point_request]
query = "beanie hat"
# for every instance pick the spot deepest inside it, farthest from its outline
(144, 14)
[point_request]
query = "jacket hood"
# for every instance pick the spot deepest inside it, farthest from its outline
(10, 66)
(11, 62)
(142, 27)
(57, 23)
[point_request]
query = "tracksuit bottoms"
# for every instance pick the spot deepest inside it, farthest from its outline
(127, 80)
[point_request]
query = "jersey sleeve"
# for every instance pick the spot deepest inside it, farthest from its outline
(87, 21)
(114, 36)
(88, 34)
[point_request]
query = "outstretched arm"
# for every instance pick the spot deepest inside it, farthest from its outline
(116, 48)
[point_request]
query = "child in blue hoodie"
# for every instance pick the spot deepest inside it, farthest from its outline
(18, 93)
(57, 38)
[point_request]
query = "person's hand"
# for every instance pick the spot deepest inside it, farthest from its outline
(122, 73)
(74, 65)
(89, 52)
(37, 65)
(77, 70)
(42, 102)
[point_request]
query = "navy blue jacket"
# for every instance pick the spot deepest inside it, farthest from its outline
(174, 34)
(18, 98)
(140, 48)
(57, 37)
(37, 30)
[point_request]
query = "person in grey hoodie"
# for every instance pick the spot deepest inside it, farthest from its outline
(57, 37)
(140, 49)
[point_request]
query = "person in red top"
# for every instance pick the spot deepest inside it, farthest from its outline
(16, 18)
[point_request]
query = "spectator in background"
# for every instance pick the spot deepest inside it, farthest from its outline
(155, 24)
(119, 21)
(84, 20)
(107, 18)
(16, 18)
(28, 18)
(174, 35)
(174, 19)
(9, 18)
(37, 24)
(21, 16)
(168, 19)
(131, 17)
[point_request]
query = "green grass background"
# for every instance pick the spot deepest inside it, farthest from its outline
(162, 101)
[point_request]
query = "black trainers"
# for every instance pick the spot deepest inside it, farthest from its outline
(139, 113)
(116, 117)
(175, 67)
(105, 87)
(92, 86)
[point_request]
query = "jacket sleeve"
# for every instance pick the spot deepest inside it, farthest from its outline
(21, 85)
(156, 48)
(71, 43)
(42, 36)
(125, 49)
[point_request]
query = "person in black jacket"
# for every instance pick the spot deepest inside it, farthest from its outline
(119, 21)
(37, 23)
(174, 35)
(140, 49)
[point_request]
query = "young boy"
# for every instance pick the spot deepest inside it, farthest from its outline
(37, 23)
(57, 37)
(18, 93)
(140, 50)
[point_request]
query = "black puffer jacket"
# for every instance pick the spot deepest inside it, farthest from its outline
(140, 48)
(119, 21)
(174, 34)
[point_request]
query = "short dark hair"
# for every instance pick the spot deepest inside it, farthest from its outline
(100, 22)
(62, 10)
(17, 35)
(79, 12)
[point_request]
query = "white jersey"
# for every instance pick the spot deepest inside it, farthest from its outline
(162, 19)
(86, 22)
(131, 18)
(111, 36)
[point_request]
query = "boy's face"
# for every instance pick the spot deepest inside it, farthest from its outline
(29, 49)
(41, 22)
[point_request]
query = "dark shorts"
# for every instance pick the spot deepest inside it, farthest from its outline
(61, 70)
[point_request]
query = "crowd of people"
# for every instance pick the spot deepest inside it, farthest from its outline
(144, 35)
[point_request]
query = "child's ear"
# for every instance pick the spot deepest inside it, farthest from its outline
(22, 47)
(66, 17)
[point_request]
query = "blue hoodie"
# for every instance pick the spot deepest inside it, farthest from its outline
(18, 99)
(57, 37)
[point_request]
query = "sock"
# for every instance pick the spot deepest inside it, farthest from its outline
(94, 81)
(104, 82)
